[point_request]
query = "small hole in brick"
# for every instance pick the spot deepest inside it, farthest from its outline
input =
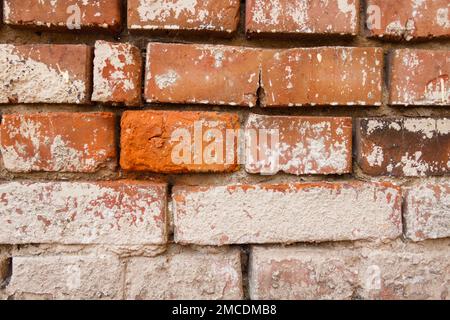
(5, 273)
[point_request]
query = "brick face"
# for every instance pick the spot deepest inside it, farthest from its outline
(303, 212)
(408, 20)
(308, 145)
(43, 73)
(199, 16)
(409, 147)
(302, 17)
(420, 77)
(427, 211)
(185, 273)
(61, 14)
(52, 142)
(115, 213)
(322, 76)
(202, 74)
(117, 74)
(178, 142)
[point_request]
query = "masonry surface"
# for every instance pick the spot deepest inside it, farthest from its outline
(94, 206)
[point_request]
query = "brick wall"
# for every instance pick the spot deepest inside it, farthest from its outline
(123, 122)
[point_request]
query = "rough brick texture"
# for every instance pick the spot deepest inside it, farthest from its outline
(411, 147)
(302, 17)
(408, 20)
(299, 273)
(305, 145)
(65, 277)
(63, 14)
(177, 142)
(66, 142)
(322, 76)
(200, 16)
(427, 211)
(42, 73)
(185, 273)
(309, 212)
(115, 213)
(117, 73)
(420, 77)
(203, 74)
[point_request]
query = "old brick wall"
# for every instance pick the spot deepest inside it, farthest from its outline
(93, 205)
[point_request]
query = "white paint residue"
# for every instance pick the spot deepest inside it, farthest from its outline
(166, 80)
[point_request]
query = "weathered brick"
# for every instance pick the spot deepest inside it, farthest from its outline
(403, 146)
(307, 145)
(322, 76)
(65, 142)
(203, 74)
(178, 142)
(420, 77)
(114, 213)
(301, 273)
(117, 73)
(205, 16)
(63, 14)
(185, 273)
(427, 211)
(43, 73)
(397, 272)
(66, 277)
(302, 17)
(286, 213)
(408, 20)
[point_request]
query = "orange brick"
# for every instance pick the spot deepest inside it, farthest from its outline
(65, 142)
(117, 73)
(203, 74)
(61, 14)
(166, 141)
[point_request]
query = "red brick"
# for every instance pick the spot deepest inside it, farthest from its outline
(42, 73)
(395, 272)
(420, 77)
(408, 147)
(408, 20)
(166, 141)
(113, 213)
(60, 14)
(286, 213)
(302, 17)
(186, 273)
(65, 142)
(200, 16)
(117, 73)
(427, 211)
(322, 76)
(203, 74)
(307, 145)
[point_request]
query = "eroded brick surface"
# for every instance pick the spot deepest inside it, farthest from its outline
(177, 142)
(63, 14)
(427, 211)
(202, 74)
(420, 77)
(286, 213)
(185, 273)
(61, 142)
(66, 277)
(219, 16)
(307, 145)
(302, 17)
(411, 147)
(408, 20)
(114, 213)
(117, 73)
(42, 73)
(322, 76)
